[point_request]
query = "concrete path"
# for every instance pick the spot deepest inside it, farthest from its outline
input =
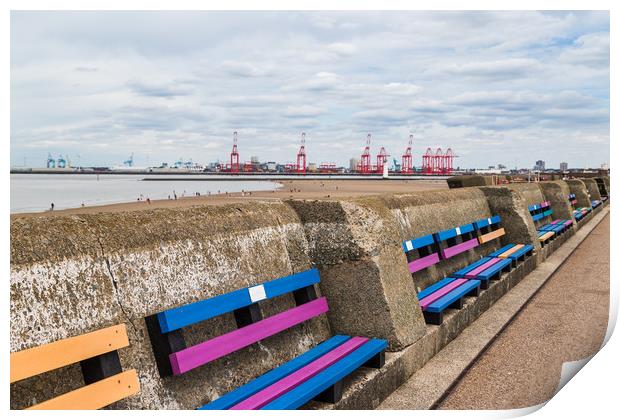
(566, 320)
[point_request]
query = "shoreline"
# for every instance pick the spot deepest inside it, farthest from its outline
(289, 189)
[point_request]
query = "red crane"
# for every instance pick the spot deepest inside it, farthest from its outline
(301, 156)
(449, 161)
(234, 156)
(406, 166)
(364, 165)
(427, 161)
(381, 160)
(438, 161)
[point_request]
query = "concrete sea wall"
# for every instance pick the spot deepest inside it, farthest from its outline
(75, 274)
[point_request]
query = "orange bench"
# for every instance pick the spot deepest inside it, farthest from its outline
(105, 381)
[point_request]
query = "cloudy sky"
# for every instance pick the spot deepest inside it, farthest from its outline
(497, 87)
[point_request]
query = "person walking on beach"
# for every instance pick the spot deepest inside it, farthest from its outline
(52, 207)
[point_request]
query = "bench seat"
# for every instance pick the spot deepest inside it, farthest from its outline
(485, 269)
(514, 252)
(447, 293)
(330, 361)
(545, 237)
(303, 378)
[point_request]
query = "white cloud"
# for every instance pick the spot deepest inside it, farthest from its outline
(104, 84)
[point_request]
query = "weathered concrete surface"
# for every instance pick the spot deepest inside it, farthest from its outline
(75, 274)
(423, 214)
(463, 181)
(367, 388)
(355, 244)
(565, 321)
(426, 388)
(592, 188)
(602, 187)
(556, 193)
(578, 187)
(511, 205)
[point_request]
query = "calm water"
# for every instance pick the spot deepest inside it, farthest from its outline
(30, 193)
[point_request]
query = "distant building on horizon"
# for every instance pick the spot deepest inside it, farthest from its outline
(563, 166)
(540, 165)
(353, 162)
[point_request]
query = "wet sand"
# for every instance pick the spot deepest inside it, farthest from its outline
(295, 189)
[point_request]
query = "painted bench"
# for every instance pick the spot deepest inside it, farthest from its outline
(446, 293)
(550, 229)
(572, 199)
(596, 203)
(316, 374)
(421, 253)
(104, 379)
(515, 252)
(449, 292)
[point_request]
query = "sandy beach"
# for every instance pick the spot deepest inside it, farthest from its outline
(295, 189)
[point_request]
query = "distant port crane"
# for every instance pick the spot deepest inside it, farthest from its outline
(407, 161)
(129, 162)
(364, 166)
(51, 162)
(438, 162)
(234, 156)
(301, 156)
(381, 160)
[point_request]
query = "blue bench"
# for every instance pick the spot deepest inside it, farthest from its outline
(316, 374)
(596, 203)
(449, 292)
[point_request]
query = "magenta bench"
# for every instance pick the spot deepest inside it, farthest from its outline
(316, 374)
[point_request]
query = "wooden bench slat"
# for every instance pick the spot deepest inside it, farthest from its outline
(451, 233)
(96, 395)
(457, 249)
(434, 287)
(470, 267)
(442, 303)
(324, 379)
(483, 267)
(199, 354)
(47, 357)
(418, 242)
(182, 316)
(546, 236)
(511, 251)
(293, 380)
(425, 302)
(491, 235)
(494, 269)
(501, 250)
(424, 262)
(524, 250)
(237, 395)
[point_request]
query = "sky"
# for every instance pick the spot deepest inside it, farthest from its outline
(496, 87)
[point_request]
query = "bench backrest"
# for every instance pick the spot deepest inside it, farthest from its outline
(572, 199)
(489, 229)
(540, 211)
(97, 353)
(172, 355)
(428, 250)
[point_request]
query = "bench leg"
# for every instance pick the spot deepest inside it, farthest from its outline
(248, 315)
(332, 395)
(377, 361)
(100, 367)
(434, 318)
(484, 285)
(476, 292)
(457, 304)
(163, 344)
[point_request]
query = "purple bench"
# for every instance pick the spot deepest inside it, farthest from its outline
(317, 374)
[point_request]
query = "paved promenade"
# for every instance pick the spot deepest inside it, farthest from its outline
(566, 320)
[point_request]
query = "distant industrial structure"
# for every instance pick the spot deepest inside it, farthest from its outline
(434, 162)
